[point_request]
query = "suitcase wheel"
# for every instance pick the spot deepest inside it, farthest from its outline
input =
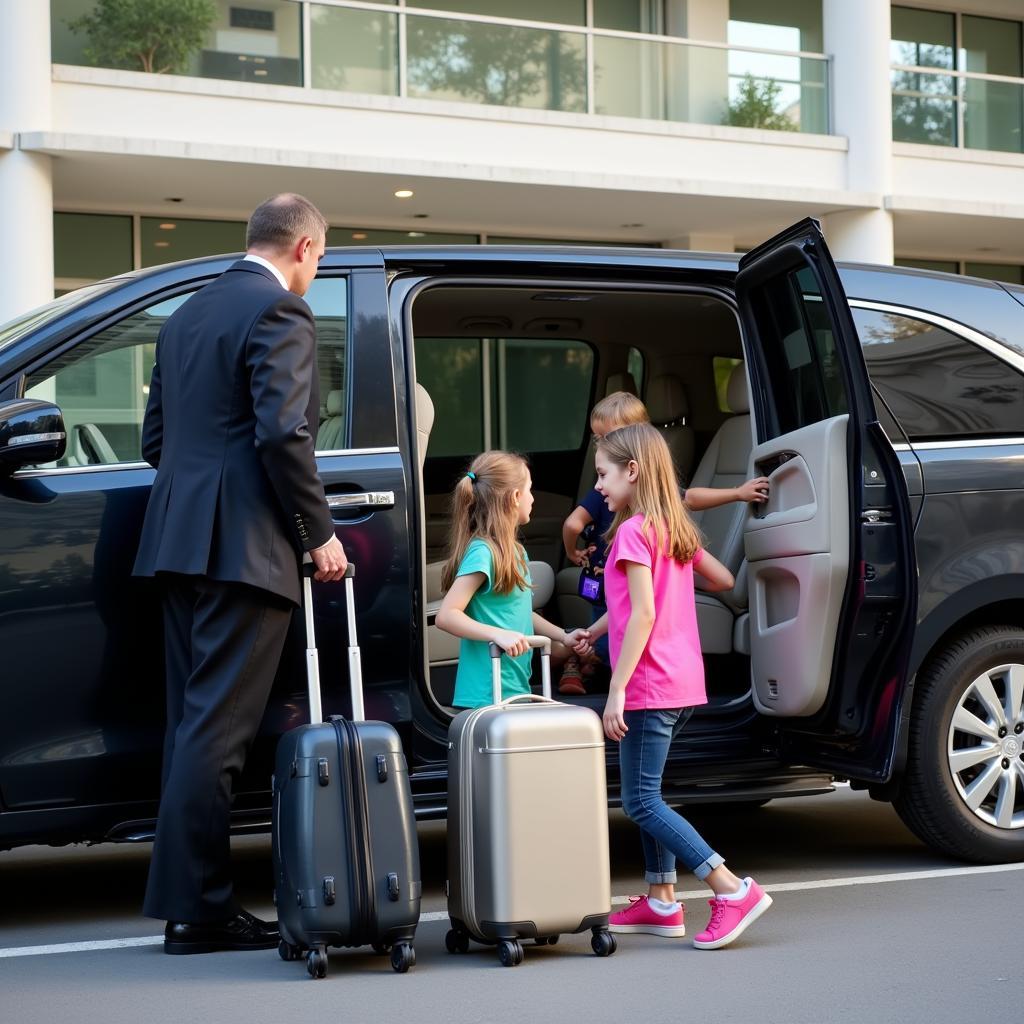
(286, 951)
(510, 953)
(546, 940)
(603, 942)
(381, 948)
(403, 956)
(456, 941)
(316, 963)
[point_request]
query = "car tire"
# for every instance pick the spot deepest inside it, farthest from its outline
(933, 797)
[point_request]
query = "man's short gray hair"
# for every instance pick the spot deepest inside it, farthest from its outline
(282, 220)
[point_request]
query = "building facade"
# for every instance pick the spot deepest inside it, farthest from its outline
(702, 124)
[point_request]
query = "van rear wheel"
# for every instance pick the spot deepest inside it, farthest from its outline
(963, 791)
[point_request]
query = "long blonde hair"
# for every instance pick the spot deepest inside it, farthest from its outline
(656, 496)
(483, 507)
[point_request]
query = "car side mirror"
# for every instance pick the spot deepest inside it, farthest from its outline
(31, 432)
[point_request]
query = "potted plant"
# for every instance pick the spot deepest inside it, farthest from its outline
(158, 36)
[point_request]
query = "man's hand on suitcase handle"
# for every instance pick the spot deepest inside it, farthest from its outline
(330, 561)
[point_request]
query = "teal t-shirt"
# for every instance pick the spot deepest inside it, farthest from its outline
(506, 611)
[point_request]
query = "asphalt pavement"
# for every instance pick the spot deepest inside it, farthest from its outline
(868, 925)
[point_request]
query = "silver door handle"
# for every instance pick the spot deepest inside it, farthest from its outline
(362, 499)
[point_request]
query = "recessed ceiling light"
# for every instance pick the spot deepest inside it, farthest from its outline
(404, 193)
(421, 216)
(417, 234)
(358, 236)
(161, 245)
(168, 226)
(173, 199)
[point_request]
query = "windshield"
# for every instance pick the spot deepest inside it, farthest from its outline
(17, 328)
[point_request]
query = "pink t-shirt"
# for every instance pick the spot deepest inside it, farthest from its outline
(670, 673)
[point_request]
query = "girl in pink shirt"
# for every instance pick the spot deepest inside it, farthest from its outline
(658, 678)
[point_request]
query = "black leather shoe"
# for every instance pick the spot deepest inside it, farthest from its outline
(243, 931)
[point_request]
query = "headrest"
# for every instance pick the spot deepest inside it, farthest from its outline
(543, 577)
(620, 382)
(666, 399)
(736, 390)
(335, 403)
(424, 410)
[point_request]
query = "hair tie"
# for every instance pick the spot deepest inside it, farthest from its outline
(472, 476)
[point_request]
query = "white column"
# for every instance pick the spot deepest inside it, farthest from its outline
(857, 37)
(26, 179)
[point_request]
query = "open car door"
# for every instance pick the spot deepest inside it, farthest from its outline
(831, 563)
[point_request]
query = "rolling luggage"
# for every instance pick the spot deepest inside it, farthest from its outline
(527, 822)
(346, 863)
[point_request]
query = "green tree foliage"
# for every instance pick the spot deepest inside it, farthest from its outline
(755, 106)
(145, 35)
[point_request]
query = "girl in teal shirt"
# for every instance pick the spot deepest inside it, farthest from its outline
(487, 580)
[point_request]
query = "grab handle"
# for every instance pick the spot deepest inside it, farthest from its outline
(545, 666)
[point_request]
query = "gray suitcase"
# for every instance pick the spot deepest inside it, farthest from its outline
(527, 822)
(346, 862)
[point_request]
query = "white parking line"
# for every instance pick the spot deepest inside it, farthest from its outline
(440, 915)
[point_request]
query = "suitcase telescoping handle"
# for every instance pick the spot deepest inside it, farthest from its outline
(545, 666)
(355, 666)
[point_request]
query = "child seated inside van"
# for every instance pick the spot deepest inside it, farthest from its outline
(591, 520)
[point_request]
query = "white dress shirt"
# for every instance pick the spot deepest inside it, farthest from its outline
(270, 266)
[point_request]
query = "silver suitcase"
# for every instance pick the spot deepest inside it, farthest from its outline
(527, 822)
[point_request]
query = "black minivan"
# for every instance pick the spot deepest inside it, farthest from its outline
(876, 631)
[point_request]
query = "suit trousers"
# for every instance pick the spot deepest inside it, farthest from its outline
(223, 646)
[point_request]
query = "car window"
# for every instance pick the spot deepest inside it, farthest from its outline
(635, 366)
(800, 351)
(102, 384)
(328, 299)
(937, 384)
(483, 389)
(723, 367)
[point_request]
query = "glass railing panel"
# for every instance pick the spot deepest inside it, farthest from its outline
(924, 108)
(354, 50)
(709, 85)
(993, 114)
(496, 64)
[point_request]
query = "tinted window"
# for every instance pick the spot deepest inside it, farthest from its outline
(102, 385)
(937, 384)
(800, 351)
(486, 392)
(328, 299)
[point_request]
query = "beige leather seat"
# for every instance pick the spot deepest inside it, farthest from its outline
(424, 422)
(726, 463)
(668, 408)
(332, 430)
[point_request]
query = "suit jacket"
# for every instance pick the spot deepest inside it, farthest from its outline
(230, 427)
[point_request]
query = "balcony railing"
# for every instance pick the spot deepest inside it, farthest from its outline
(957, 108)
(396, 49)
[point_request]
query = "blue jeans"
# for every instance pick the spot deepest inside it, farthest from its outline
(665, 834)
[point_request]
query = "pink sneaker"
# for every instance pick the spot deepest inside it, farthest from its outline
(731, 918)
(639, 916)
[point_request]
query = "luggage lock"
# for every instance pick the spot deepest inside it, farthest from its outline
(329, 893)
(382, 768)
(392, 886)
(323, 770)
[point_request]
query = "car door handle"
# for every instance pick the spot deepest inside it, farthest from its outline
(361, 499)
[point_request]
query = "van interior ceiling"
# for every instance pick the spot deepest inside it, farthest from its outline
(507, 366)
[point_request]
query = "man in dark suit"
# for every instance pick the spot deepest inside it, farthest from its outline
(230, 428)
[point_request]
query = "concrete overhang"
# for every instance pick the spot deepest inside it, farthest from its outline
(94, 172)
